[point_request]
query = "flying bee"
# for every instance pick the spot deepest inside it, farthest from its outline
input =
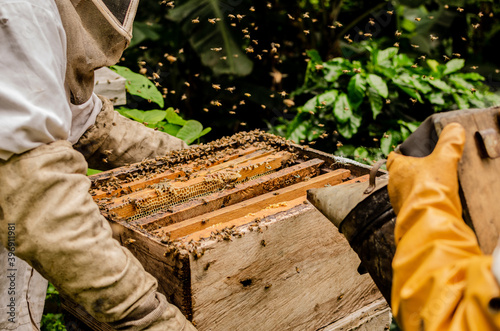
(306, 32)
(433, 38)
(414, 65)
(460, 10)
(252, 8)
(475, 26)
(414, 101)
(473, 90)
(480, 14)
(216, 86)
(184, 97)
(216, 49)
(213, 20)
(396, 44)
(240, 17)
(397, 34)
(390, 12)
(418, 19)
(456, 54)
(371, 21)
(414, 46)
(291, 17)
(231, 89)
(248, 95)
(305, 15)
(474, 67)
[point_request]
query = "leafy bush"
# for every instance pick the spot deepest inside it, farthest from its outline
(163, 120)
(384, 96)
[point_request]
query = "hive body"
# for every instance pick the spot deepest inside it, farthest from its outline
(226, 229)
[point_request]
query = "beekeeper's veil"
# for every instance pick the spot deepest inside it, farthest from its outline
(97, 33)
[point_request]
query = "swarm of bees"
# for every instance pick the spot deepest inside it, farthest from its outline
(240, 20)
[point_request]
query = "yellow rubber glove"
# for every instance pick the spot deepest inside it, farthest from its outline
(441, 280)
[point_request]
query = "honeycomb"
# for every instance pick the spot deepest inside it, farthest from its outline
(168, 195)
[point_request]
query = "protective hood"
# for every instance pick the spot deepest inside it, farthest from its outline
(97, 33)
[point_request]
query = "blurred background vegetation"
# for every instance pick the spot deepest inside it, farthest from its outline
(349, 77)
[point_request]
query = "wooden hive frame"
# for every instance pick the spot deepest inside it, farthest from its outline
(253, 256)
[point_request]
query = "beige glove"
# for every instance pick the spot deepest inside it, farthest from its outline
(60, 232)
(114, 141)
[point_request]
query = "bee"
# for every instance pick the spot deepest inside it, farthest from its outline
(184, 97)
(232, 112)
(357, 70)
(371, 21)
(422, 57)
(240, 17)
(368, 35)
(242, 102)
(216, 49)
(347, 36)
(414, 46)
(474, 67)
(338, 24)
(397, 34)
(446, 6)
(305, 15)
(213, 20)
(216, 86)
(306, 32)
(223, 58)
(170, 4)
(480, 14)
(216, 103)
(243, 123)
(431, 17)
(433, 38)
(346, 71)
(456, 54)
(231, 16)
(339, 144)
(289, 102)
(231, 89)
(291, 17)
(396, 44)
(414, 65)
(143, 71)
(282, 93)
(269, 5)
(414, 101)
(390, 12)
(255, 41)
(473, 90)
(205, 110)
(475, 26)
(418, 19)
(252, 8)
(249, 49)
(259, 57)
(460, 10)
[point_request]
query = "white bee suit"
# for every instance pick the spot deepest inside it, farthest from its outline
(49, 51)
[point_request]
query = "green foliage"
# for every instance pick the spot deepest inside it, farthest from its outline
(163, 120)
(167, 121)
(139, 85)
(206, 36)
(53, 322)
(392, 89)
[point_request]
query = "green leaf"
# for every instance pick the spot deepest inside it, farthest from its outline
(410, 91)
(314, 56)
(90, 172)
(436, 98)
(297, 128)
(461, 102)
(356, 89)
(453, 65)
(323, 100)
(402, 60)
(139, 85)
(350, 128)
(171, 129)
(472, 76)
(154, 116)
(190, 131)
(342, 109)
(334, 68)
(460, 83)
(421, 85)
(204, 132)
(389, 141)
(172, 117)
(378, 84)
(438, 83)
(135, 114)
(385, 56)
(433, 64)
(204, 36)
(376, 102)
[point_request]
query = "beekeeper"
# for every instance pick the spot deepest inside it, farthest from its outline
(51, 125)
(441, 280)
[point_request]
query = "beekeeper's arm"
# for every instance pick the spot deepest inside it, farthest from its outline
(441, 279)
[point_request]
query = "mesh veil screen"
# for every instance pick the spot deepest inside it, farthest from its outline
(119, 8)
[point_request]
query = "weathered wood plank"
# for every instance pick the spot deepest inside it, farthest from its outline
(304, 277)
(373, 317)
(251, 206)
(241, 192)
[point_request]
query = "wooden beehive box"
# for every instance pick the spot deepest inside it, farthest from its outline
(226, 229)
